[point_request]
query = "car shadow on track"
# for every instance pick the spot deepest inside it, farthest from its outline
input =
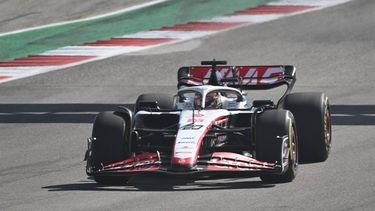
(54, 113)
(165, 184)
(85, 113)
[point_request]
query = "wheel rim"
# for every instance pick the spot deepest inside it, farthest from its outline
(327, 128)
(286, 153)
(293, 154)
(289, 151)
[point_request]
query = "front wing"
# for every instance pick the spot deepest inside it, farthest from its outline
(225, 162)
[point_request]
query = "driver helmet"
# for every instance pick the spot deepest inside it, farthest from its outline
(213, 100)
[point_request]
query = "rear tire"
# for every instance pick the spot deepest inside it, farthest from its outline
(270, 147)
(312, 114)
(111, 144)
(165, 101)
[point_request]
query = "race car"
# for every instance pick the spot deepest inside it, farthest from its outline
(212, 127)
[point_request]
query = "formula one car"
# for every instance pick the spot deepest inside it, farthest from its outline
(210, 127)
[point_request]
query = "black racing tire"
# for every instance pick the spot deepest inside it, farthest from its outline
(111, 143)
(276, 141)
(165, 101)
(312, 114)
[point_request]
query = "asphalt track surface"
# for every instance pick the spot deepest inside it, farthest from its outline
(45, 119)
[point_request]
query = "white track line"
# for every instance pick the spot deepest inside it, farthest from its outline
(248, 18)
(170, 34)
(91, 50)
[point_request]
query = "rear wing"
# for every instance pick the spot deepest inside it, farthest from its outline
(243, 77)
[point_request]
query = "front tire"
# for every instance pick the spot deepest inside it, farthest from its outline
(276, 141)
(110, 144)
